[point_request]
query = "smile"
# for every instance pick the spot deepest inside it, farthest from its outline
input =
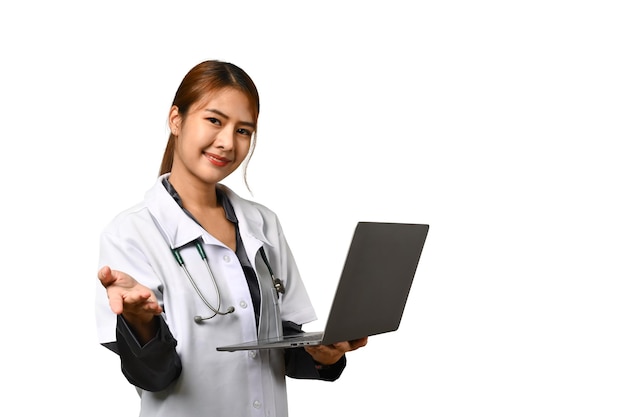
(217, 160)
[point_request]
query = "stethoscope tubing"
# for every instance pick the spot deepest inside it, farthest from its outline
(277, 283)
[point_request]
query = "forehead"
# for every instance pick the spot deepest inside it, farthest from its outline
(228, 100)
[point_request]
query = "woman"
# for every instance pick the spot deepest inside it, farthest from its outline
(164, 311)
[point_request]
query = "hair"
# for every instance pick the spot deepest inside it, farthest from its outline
(205, 77)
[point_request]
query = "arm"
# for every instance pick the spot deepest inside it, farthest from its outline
(144, 342)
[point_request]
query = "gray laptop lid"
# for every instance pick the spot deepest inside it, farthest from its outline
(376, 279)
(373, 287)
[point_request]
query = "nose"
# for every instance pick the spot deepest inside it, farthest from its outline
(225, 139)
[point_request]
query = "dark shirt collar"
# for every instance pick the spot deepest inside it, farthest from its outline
(221, 199)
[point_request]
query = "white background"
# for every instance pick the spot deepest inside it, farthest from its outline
(499, 123)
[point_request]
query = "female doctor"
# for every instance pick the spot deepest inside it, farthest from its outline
(195, 266)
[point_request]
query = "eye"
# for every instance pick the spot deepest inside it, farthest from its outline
(244, 132)
(214, 121)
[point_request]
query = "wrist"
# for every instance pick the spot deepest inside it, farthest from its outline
(143, 328)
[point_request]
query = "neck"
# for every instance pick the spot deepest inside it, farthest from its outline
(195, 194)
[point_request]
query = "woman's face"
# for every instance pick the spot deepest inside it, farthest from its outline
(214, 137)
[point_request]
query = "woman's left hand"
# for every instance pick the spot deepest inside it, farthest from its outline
(329, 354)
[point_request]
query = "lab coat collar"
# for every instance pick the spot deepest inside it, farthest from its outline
(178, 229)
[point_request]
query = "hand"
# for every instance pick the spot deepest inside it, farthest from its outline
(330, 354)
(137, 303)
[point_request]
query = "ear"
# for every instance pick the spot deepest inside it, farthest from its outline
(174, 120)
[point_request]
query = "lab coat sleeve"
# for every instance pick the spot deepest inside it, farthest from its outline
(124, 252)
(156, 364)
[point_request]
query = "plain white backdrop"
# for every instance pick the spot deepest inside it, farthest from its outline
(500, 124)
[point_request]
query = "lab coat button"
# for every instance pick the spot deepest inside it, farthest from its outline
(252, 354)
(243, 304)
(226, 258)
(256, 404)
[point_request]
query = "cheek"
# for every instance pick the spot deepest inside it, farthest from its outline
(190, 137)
(243, 148)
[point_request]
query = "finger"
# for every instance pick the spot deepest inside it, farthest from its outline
(105, 275)
(137, 298)
(116, 302)
(312, 349)
(351, 345)
(152, 303)
(153, 307)
(358, 343)
(342, 346)
(122, 300)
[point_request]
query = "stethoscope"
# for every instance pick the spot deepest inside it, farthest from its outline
(277, 283)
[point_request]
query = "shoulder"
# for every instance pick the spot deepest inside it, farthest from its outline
(156, 203)
(128, 219)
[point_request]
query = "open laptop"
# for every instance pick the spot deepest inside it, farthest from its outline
(372, 290)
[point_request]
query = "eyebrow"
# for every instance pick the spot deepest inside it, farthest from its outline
(216, 111)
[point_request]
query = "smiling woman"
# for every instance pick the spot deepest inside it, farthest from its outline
(198, 86)
(211, 141)
(163, 321)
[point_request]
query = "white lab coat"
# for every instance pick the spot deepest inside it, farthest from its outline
(139, 242)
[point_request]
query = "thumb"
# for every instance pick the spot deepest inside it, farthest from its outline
(108, 279)
(105, 275)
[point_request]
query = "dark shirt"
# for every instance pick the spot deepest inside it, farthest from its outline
(156, 364)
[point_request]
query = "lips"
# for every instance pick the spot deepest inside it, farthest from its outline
(217, 160)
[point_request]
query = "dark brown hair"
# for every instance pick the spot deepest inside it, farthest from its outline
(206, 77)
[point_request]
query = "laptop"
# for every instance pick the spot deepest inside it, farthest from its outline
(372, 291)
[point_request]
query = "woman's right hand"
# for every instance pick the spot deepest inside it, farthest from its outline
(135, 302)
